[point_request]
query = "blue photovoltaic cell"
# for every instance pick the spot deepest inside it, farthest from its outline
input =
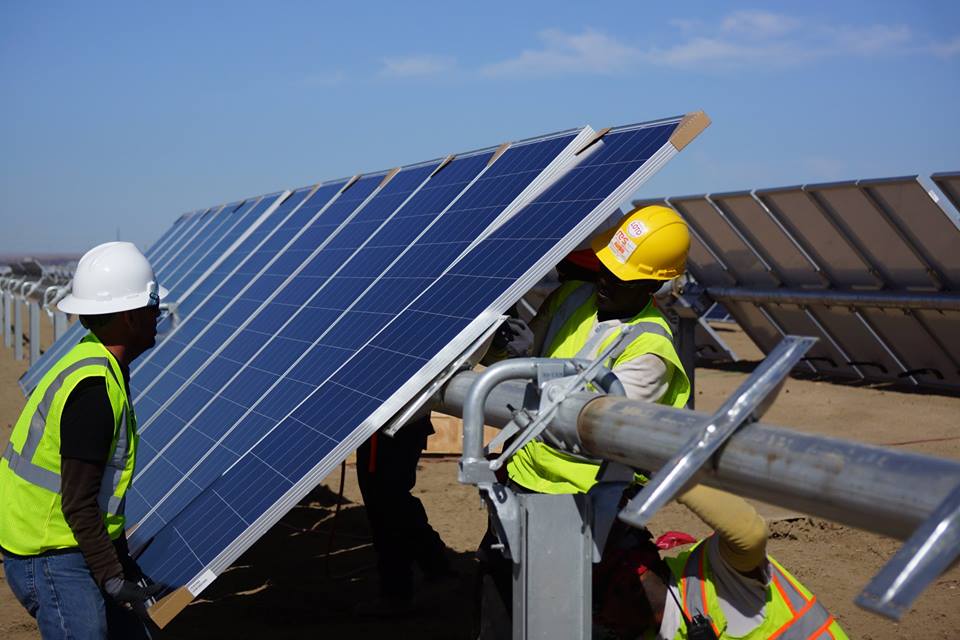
(339, 403)
(237, 258)
(167, 236)
(165, 261)
(176, 269)
(187, 239)
(196, 268)
(327, 335)
(194, 286)
(240, 268)
(183, 363)
(327, 259)
(391, 238)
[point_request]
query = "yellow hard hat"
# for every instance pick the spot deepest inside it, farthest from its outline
(650, 243)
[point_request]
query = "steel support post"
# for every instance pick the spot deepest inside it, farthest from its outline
(34, 308)
(7, 319)
(688, 352)
(17, 330)
(552, 588)
(59, 324)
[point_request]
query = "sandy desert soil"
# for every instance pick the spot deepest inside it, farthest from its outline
(302, 578)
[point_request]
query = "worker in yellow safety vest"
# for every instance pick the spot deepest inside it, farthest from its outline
(580, 319)
(71, 458)
(725, 586)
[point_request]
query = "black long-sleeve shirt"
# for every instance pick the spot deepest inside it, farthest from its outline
(86, 433)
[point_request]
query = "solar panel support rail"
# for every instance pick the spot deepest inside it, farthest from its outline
(898, 494)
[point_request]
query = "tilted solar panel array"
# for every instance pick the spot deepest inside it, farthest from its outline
(306, 320)
(811, 257)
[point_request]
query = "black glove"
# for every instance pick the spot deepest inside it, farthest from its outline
(135, 596)
(514, 337)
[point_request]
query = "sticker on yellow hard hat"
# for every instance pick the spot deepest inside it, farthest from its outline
(636, 228)
(621, 246)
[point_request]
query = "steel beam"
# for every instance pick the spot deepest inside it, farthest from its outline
(881, 490)
(883, 300)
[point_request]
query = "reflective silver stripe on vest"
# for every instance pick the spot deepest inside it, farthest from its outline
(577, 298)
(114, 470)
(693, 596)
(807, 622)
(21, 464)
(800, 627)
(39, 419)
(30, 472)
(589, 350)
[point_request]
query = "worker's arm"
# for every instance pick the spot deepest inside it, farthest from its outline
(86, 434)
(743, 533)
(645, 378)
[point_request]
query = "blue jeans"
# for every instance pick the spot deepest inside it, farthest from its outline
(60, 593)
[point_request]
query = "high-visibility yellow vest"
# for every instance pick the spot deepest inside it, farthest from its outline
(791, 612)
(31, 517)
(573, 312)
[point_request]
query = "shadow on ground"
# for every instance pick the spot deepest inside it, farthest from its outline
(287, 586)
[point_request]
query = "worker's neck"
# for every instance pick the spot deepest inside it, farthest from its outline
(623, 312)
(120, 352)
(119, 349)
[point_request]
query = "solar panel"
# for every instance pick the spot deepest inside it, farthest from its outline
(395, 277)
(247, 248)
(221, 389)
(868, 266)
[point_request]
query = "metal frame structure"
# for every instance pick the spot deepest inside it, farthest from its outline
(894, 493)
(28, 283)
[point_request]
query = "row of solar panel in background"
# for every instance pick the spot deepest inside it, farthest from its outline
(888, 235)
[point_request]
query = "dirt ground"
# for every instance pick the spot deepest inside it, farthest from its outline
(303, 577)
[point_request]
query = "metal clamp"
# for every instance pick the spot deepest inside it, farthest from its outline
(932, 548)
(747, 404)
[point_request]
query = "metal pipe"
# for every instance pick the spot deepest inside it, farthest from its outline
(59, 324)
(7, 319)
(476, 395)
(34, 331)
(17, 330)
(881, 299)
(881, 490)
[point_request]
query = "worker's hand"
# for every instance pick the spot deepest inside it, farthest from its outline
(132, 595)
(513, 337)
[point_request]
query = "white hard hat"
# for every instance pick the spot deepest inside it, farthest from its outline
(112, 277)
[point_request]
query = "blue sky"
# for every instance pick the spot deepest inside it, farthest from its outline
(125, 115)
